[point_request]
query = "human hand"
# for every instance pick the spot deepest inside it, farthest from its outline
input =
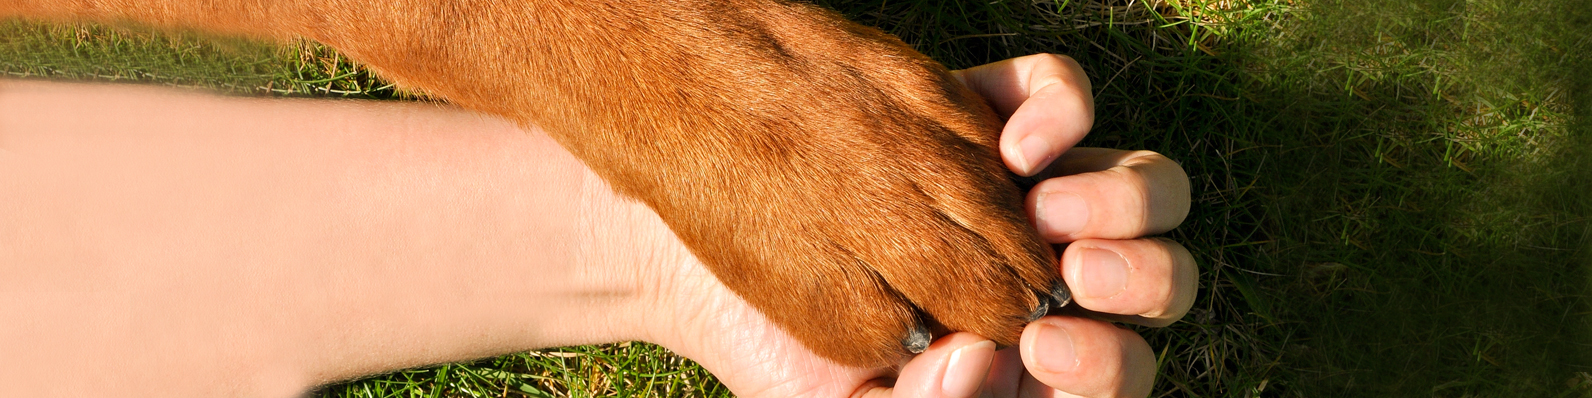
(1100, 202)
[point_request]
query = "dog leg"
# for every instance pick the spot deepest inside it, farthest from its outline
(839, 181)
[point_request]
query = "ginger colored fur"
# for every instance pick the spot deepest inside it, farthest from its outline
(839, 181)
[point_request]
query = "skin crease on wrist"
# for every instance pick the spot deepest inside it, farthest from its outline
(372, 246)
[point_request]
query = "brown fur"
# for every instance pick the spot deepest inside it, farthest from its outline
(833, 177)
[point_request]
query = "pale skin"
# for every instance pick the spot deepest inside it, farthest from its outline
(161, 243)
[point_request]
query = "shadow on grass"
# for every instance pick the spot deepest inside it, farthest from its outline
(1391, 197)
(1425, 187)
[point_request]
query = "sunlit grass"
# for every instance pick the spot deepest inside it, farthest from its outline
(625, 369)
(133, 54)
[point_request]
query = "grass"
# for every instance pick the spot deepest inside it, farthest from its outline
(624, 369)
(1391, 197)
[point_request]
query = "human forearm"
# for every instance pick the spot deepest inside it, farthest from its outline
(749, 126)
(290, 239)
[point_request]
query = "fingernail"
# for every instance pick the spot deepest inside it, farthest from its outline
(1104, 273)
(1036, 153)
(1060, 295)
(917, 339)
(966, 369)
(1061, 213)
(1053, 349)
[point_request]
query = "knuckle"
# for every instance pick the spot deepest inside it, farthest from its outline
(1074, 69)
(1046, 69)
(1180, 286)
(1158, 166)
(1156, 288)
(1154, 162)
(1164, 188)
(1058, 59)
(1132, 177)
(1132, 201)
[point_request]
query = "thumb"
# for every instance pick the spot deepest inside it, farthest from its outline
(954, 366)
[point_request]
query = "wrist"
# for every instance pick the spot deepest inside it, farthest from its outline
(625, 246)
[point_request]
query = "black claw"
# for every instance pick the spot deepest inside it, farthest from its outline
(1060, 296)
(917, 339)
(1042, 309)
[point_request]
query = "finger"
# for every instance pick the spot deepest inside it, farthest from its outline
(954, 366)
(1070, 356)
(1086, 159)
(1007, 84)
(1139, 193)
(1149, 282)
(1006, 374)
(1046, 100)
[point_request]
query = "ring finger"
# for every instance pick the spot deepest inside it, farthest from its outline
(1149, 282)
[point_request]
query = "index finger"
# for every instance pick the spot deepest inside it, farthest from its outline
(1008, 83)
(1046, 100)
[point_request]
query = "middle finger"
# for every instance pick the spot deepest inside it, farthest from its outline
(1109, 194)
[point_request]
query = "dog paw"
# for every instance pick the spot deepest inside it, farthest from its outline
(843, 184)
(848, 188)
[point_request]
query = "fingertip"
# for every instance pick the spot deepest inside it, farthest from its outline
(1087, 357)
(1033, 153)
(1140, 368)
(1149, 282)
(1058, 214)
(1053, 349)
(1129, 195)
(1045, 69)
(1103, 273)
(953, 366)
(966, 369)
(1049, 122)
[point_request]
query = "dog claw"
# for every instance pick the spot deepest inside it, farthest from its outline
(1060, 295)
(1040, 310)
(917, 339)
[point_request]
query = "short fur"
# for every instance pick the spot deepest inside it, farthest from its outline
(840, 182)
